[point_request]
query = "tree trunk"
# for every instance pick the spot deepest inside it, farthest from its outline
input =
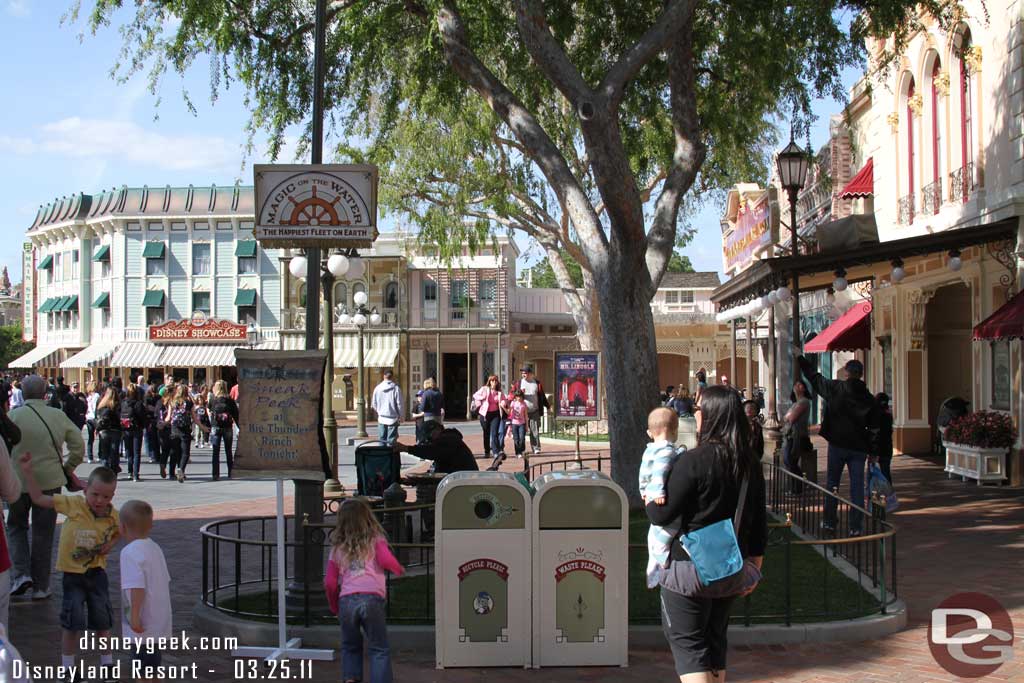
(630, 363)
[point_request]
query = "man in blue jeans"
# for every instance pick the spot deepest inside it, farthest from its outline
(387, 403)
(849, 426)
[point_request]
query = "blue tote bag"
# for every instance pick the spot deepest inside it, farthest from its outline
(715, 549)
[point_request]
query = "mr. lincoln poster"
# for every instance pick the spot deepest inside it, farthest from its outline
(578, 385)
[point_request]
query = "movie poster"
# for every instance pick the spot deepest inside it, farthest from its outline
(577, 385)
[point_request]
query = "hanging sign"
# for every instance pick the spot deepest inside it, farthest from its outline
(578, 386)
(280, 414)
(198, 329)
(754, 229)
(316, 205)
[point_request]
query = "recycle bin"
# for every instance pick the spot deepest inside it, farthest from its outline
(580, 570)
(482, 571)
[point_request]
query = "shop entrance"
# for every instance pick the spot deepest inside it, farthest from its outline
(455, 384)
(948, 329)
(674, 370)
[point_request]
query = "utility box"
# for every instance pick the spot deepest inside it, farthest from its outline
(482, 571)
(580, 570)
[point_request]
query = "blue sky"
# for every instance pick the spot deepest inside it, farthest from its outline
(68, 127)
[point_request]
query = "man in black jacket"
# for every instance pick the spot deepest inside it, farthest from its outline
(849, 426)
(445, 447)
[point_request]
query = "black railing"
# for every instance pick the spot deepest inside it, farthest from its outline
(962, 183)
(905, 210)
(931, 198)
(811, 572)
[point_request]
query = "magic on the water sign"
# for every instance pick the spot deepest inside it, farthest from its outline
(316, 205)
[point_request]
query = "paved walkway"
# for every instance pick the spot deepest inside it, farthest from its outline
(952, 537)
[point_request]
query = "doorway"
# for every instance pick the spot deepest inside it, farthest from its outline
(455, 383)
(948, 329)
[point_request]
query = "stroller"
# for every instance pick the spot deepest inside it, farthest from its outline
(950, 409)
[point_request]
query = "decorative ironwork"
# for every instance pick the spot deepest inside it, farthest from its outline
(1007, 257)
(863, 288)
(931, 198)
(962, 183)
(905, 210)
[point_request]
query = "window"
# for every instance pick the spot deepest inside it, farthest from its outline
(154, 315)
(1001, 391)
(246, 315)
(302, 296)
(245, 251)
(936, 199)
(671, 297)
(156, 263)
(391, 295)
(429, 300)
(105, 317)
(686, 296)
(430, 364)
(105, 268)
(58, 269)
(488, 299)
(459, 301)
(887, 365)
(200, 258)
(966, 117)
(201, 302)
(910, 146)
(341, 294)
(247, 265)
(155, 266)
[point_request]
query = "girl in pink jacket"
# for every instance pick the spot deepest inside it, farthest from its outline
(356, 590)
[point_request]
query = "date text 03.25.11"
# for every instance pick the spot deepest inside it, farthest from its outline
(273, 669)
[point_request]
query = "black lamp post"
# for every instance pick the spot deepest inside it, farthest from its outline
(792, 164)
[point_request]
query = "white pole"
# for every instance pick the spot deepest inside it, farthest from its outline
(282, 579)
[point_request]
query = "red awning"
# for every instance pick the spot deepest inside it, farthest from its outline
(862, 185)
(1006, 323)
(851, 332)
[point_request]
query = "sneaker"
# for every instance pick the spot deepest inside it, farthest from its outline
(828, 526)
(21, 585)
(536, 450)
(41, 595)
(854, 533)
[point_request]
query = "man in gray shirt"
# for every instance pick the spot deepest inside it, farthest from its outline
(536, 402)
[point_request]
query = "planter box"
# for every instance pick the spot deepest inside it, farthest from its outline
(970, 462)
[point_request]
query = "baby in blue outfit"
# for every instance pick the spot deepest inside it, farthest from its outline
(658, 458)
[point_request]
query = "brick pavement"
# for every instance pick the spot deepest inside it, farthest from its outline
(951, 537)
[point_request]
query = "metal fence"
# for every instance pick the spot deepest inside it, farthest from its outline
(239, 560)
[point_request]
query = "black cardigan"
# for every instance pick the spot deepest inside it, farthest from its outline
(700, 491)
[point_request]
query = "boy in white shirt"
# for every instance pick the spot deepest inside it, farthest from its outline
(145, 589)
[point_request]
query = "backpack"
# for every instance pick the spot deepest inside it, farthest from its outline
(180, 418)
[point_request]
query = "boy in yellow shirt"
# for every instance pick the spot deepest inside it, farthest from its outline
(86, 537)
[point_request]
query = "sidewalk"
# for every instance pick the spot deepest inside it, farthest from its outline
(951, 537)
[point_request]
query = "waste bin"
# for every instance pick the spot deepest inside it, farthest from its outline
(377, 468)
(580, 570)
(482, 571)
(687, 433)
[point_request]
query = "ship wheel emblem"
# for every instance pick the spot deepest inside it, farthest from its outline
(315, 211)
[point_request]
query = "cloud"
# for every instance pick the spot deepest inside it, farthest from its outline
(121, 141)
(19, 8)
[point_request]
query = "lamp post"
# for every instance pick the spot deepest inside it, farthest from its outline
(334, 267)
(792, 164)
(360, 318)
(251, 335)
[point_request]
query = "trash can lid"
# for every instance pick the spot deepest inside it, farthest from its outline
(482, 478)
(591, 477)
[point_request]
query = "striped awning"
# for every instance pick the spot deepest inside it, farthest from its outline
(39, 356)
(137, 355)
(204, 355)
(379, 350)
(91, 356)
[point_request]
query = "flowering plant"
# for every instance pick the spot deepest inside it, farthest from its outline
(983, 429)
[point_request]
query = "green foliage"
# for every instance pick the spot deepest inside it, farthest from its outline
(679, 264)
(544, 276)
(11, 344)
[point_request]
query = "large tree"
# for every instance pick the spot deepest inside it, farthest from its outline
(615, 110)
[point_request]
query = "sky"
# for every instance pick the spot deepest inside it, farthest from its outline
(67, 126)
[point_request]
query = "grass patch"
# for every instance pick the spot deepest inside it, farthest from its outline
(818, 591)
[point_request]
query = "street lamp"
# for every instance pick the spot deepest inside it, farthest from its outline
(360, 317)
(792, 164)
(333, 267)
(251, 335)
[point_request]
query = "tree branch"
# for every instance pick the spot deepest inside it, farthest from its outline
(664, 29)
(540, 148)
(687, 158)
(548, 55)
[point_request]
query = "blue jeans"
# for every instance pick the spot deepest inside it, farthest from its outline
(387, 433)
(219, 435)
(360, 614)
(490, 424)
(133, 450)
(838, 458)
(110, 446)
(519, 438)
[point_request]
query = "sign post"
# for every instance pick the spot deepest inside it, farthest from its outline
(280, 437)
(578, 390)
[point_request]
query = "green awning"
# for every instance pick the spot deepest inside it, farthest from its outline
(45, 263)
(153, 250)
(58, 304)
(245, 297)
(47, 305)
(245, 248)
(102, 254)
(102, 301)
(154, 298)
(71, 304)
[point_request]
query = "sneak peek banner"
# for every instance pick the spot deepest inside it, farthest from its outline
(577, 385)
(280, 426)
